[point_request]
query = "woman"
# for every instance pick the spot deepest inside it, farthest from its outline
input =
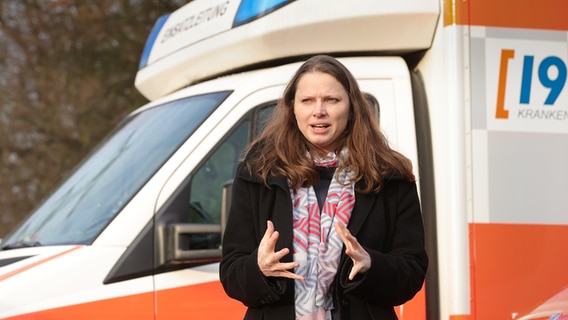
(325, 221)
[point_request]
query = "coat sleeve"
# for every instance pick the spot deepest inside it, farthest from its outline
(398, 270)
(239, 272)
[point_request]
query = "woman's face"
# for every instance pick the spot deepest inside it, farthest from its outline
(321, 107)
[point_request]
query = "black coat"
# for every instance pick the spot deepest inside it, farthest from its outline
(388, 224)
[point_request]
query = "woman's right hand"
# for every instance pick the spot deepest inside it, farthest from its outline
(269, 260)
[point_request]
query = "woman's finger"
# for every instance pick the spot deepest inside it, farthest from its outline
(344, 234)
(268, 241)
(268, 233)
(269, 260)
(359, 256)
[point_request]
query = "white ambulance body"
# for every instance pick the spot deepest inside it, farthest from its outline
(472, 92)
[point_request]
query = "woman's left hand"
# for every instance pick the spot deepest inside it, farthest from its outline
(361, 258)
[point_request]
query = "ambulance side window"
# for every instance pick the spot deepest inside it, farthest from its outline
(374, 104)
(218, 168)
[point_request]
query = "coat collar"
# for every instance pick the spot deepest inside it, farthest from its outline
(363, 204)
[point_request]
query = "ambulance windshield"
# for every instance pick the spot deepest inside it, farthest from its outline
(78, 211)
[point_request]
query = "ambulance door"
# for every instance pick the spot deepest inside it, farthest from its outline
(188, 226)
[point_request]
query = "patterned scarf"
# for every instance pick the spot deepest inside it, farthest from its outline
(317, 246)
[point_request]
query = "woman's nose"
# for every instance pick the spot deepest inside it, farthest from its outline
(319, 108)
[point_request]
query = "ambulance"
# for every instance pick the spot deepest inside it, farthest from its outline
(472, 91)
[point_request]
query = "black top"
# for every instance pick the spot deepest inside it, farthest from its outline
(321, 187)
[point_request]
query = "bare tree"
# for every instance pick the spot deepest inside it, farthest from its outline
(67, 71)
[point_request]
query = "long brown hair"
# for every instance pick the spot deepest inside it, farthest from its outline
(281, 148)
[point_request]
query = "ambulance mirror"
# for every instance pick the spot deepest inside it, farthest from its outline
(188, 242)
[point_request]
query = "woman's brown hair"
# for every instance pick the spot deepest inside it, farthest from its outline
(281, 148)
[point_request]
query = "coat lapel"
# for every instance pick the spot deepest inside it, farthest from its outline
(363, 206)
(280, 212)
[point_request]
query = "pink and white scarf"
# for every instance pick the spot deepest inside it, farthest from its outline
(317, 246)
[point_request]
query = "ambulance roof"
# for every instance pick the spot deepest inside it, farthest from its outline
(208, 38)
